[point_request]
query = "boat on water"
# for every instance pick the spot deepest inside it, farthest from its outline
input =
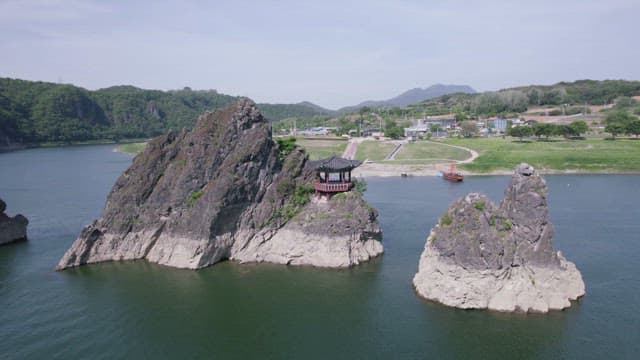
(453, 174)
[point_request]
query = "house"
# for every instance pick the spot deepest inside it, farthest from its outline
(316, 131)
(499, 125)
(370, 132)
(415, 132)
(444, 121)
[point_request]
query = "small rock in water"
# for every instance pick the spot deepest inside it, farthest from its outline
(12, 229)
(483, 256)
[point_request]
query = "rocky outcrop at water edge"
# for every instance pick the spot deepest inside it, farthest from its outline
(483, 256)
(225, 190)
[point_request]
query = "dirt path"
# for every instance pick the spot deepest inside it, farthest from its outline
(474, 154)
(389, 169)
(351, 150)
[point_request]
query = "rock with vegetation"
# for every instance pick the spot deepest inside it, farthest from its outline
(224, 190)
(337, 233)
(483, 256)
(12, 229)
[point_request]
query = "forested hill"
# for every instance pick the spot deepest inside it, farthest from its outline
(520, 99)
(35, 112)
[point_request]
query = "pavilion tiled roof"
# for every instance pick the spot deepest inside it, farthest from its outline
(334, 163)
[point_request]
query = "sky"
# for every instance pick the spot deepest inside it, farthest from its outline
(332, 53)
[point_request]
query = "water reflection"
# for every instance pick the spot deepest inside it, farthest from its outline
(467, 334)
(279, 310)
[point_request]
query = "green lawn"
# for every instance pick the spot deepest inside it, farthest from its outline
(132, 148)
(592, 155)
(317, 149)
(374, 150)
(322, 148)
(429, 152)
(413, 162)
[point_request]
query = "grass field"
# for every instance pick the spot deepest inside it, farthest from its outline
(429, 152)
(317, 149)
(593, 155)
(322, 148)
(374, 150)
(132, 148)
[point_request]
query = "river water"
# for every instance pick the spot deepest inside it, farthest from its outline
(233, 311)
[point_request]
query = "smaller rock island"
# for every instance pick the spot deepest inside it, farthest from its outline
(12, 229)
(481, 256)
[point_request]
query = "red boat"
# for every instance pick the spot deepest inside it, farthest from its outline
(453, 174)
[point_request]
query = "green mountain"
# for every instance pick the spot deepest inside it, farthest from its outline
(36, 112)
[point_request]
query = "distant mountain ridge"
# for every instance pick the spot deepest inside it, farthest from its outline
(413, 96)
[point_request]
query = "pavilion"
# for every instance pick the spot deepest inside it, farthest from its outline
(333, 175)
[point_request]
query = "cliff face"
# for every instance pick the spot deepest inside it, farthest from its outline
(12, 228)
(194, 198)
(336, 233)
(501, 258)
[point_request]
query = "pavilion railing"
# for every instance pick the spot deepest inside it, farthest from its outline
(333, 187)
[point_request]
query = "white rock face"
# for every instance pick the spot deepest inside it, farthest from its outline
(333, 234)
(336, 234)
(522, 288)
(293, 247)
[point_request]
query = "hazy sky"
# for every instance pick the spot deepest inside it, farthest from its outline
(333, 53)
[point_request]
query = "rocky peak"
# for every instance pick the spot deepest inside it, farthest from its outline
(525, 205)
(475, 233)
(194, 198)
(499, 257)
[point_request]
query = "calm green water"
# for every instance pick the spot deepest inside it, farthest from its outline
(231, 311)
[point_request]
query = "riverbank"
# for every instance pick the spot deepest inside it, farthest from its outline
(131, 148)
(477, 157)
(495, 156)
(16, 147)
(379, 170)
(556, 156)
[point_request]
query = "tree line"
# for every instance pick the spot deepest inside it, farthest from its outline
(571, 96)
(36, 112)
(572, 130)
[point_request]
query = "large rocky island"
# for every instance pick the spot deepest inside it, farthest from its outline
(481, 256)
(226, 190)
(12, 229)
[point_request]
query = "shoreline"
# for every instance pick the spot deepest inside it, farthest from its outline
(366, 170)
(18, 147)
(375, 170)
